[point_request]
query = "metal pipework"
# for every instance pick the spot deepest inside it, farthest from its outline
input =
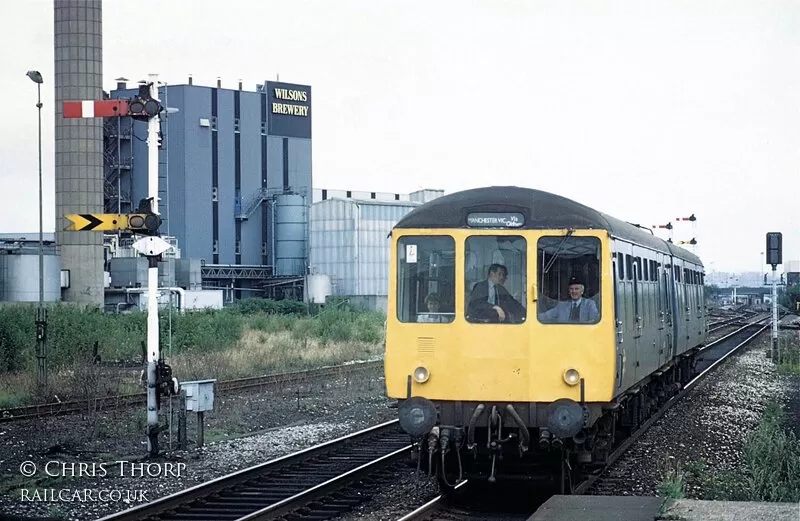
(444, 445)
(524, 435)
(471, 427)
(433, 439)
(544, 439)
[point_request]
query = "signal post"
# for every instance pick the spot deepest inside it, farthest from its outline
(146, 222)
(774, 257)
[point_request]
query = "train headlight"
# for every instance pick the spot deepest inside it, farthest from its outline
(421, 375)
(572, 377)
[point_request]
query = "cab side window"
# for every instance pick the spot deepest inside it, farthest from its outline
(426, 279)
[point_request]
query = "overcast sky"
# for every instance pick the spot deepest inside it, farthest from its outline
(646, 111)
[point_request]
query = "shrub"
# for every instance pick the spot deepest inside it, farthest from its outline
(284, 307)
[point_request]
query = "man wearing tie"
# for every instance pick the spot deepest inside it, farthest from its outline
(576, 309)
(490, 301)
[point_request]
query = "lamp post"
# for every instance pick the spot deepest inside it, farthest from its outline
(41, 317)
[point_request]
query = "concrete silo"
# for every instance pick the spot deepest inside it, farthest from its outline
(79, 143)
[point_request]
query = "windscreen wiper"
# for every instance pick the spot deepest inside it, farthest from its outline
(555, 255)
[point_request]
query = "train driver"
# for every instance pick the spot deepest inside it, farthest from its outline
(490, 301)
(576, 309)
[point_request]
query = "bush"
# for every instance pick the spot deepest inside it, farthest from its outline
(343, 325)
(17, 337)
(283, 307)
(208, 330)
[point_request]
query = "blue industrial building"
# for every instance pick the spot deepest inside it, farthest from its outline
(235, 179)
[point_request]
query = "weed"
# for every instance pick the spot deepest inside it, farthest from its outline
(771, 465)
(772, 457)
(674, 482)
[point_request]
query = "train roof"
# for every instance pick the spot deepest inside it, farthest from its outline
(539, 210)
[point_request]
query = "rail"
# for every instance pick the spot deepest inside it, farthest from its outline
(124, 400)
(711, 348)
(282, 485)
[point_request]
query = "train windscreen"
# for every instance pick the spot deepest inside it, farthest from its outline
(426, 279)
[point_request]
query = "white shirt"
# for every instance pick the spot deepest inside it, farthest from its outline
(492, 296)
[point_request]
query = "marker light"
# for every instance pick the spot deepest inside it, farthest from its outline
(572, 377)
(421, 375)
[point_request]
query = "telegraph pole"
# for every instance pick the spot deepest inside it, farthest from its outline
(774, 257)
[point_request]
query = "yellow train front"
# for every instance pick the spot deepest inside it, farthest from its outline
(525, 329)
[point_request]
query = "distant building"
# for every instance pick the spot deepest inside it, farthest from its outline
(792, 269)
(350, 243)
(235, 178)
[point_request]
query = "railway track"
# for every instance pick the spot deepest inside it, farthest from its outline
(112, 402)
(310, 484)
(709, 358)
(720, 324)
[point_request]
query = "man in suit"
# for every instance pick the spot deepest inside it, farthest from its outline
(490, 301)
(576, 309)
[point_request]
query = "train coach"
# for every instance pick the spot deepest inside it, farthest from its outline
(526, 330)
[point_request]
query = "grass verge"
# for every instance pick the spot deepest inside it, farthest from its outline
(249, 339)
(770, 468)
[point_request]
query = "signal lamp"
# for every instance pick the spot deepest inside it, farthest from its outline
(136, 106)
(151, 107)
(146, 224)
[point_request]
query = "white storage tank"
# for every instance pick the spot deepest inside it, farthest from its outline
(317, 288)
(291, 230)
(20, 275)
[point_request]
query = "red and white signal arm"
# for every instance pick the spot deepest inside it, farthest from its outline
(95, 109)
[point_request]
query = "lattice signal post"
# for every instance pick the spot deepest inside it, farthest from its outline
(146, 222)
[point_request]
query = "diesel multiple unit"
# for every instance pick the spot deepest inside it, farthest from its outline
(525, 327)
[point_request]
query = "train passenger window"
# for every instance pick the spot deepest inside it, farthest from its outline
(496, 279)
(568, 277)
(426, 274)
(620, 267)
(628, 267)
(645, 271)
